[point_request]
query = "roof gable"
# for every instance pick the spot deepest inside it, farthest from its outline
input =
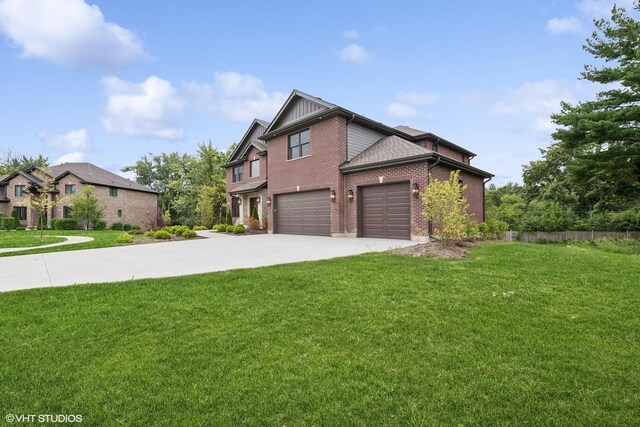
(92, 174)
(296, 107)
(256, 129)
(388, 149)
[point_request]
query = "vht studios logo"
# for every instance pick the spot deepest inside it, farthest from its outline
(43, 418)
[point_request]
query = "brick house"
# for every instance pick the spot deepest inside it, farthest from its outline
(123, 200)
(320, 169)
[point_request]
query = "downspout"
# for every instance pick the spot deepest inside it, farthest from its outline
(346, 148)
(430, 226)
(484, 203)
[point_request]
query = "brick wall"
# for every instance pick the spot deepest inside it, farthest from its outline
(252, 154)
(32, 219)
(138, 208)
(317, 171)
(474, 191)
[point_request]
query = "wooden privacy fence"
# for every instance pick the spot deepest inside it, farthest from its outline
(559, 236)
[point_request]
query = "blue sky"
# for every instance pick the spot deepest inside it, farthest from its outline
(108, 81)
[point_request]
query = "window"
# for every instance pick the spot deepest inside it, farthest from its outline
(22, 212)
(66, 212)
(20, 191)
(462, 157)
(119, 213)
(70, 189)
(299, 144)
(434, 147)
(235, 207)
(255, 168)
(113, 192)
(237, 173)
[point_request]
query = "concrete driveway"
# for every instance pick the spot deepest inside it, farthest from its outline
(216, 253)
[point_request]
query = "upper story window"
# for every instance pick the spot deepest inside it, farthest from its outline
(237, 173)
(434, 147)
(299, 144)
(255, 168)
(113, 192)
(70, 189)
(20, 192)
(463, 158)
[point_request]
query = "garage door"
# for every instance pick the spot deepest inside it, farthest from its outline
(385, 211)
(304, 213)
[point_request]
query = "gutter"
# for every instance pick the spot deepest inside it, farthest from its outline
(484, 203)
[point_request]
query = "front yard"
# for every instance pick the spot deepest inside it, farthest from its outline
(518, 334)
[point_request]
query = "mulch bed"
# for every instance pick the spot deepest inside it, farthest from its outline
(436, 249)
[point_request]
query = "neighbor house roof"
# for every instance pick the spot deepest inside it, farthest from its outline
(32, 179)
(249, 187)
(92, 174)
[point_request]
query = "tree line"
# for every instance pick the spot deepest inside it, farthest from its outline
(589, 177)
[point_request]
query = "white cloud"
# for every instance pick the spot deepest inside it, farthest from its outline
(407, 104)
(235, 96)
(351, 34)
(73, 157)
(541, 97)
(68, 32)
(355, 53)
(401, 111)
(565, 25)
(149, 109)
(73, 140)
(418, 99)
(588, 10)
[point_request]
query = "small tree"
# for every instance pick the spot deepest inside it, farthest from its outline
(41, 200)
(446, 207)
(229, 221)
(85, 207)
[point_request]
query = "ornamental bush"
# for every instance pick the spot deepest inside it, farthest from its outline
(100, 225)
(64, 224)
(239, 229)
(127, 227)
(9, 223)
(199, 228)
(124, 238)
(117, 226)
(189, 234)
(162, 234)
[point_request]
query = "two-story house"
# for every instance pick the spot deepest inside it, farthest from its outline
(123, 200)
(320, 169)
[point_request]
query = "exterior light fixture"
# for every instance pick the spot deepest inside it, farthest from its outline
(239, 200)
(416, 190)
(268, 201)
(333, 195)
(350, 195)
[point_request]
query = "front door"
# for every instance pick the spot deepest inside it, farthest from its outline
(253, 204)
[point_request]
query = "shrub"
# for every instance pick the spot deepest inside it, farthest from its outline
(180, 230)
(228, 219)
(161, 234)
(471, 229)
(100, 225)
(127, 227)
(220, 227)
(149, 233)
(124, 238)
(136, 227)
(189, 234)
(20, 228)
(136, 232)
(117, 226)
(199, 228)
(238, 229)
(64, 224)
(9, 223)
(230, 228)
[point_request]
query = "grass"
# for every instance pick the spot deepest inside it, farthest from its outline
(619, 246)
(101, 239)
(519, 334)
(19, 239)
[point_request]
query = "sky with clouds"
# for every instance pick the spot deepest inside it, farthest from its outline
(108, 81)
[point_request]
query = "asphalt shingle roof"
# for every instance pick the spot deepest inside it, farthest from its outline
(92, 174)
(387, 149)
(409, 130)
(249, 186)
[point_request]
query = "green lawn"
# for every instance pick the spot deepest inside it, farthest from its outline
(23, 239)
(519, 334)
(12, 239)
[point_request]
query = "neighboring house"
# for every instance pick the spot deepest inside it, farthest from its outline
(321, 169)
(123, 200)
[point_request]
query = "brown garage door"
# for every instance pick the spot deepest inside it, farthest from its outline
(304, 213)
(385, 211)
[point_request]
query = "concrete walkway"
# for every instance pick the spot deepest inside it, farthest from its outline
(218, 252)
(71, 240)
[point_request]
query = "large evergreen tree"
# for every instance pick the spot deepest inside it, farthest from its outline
(594, 163)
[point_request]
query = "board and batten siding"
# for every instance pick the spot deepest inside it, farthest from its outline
(298, 109)
(359, 138)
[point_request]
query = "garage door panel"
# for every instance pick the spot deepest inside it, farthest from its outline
(304, 213)
(386, 211)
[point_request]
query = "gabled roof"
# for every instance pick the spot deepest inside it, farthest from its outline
(293, 97)
(410, 131)
(389, 149)
(244, 143)
(32, 179)
(92, 174)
